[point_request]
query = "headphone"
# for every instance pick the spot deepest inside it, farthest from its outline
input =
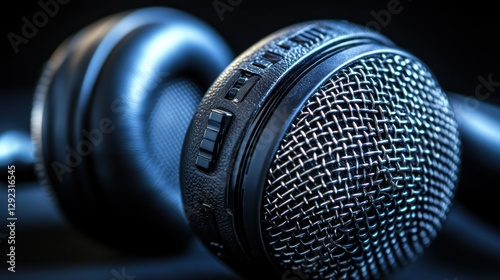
(324, 150)
(116, 96)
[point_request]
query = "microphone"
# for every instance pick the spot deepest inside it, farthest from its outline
(338, 158)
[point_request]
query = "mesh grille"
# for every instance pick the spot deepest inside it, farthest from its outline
(365, 175)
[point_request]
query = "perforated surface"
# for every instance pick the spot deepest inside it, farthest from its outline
(168, 123)
(365, 175)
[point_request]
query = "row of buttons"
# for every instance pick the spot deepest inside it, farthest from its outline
(218, 123)
(267, 59)
(306, 38)
(243, 82)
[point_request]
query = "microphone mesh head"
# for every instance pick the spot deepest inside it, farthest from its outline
(365, 175)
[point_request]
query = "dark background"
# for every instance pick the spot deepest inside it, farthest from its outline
(457, 40)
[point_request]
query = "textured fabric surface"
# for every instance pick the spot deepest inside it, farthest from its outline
(168, 123)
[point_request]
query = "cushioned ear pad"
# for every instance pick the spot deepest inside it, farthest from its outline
(52, 117)
(212, 196)
(114, 119)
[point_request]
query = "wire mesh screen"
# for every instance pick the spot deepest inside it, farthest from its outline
(365, 175)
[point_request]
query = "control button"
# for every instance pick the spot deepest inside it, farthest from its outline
(267, 59)
(284, 45)
(272, 57)
(205, 155)
(245, 89)
(215, 120)
(262, 63)
(207, 145)
(232, 93)
(203, 163)
(217, 125)
(210, 134)
(243, 83)
(310, 36)
(303, 40)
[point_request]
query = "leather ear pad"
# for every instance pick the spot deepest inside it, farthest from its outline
(111, 113)
(212, 197)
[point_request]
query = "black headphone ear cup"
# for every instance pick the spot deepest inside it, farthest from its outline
(109, 121)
